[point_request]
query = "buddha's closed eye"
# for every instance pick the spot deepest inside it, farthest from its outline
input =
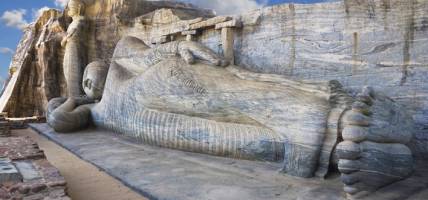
(88, 83)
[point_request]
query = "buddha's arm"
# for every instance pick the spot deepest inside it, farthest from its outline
(67, 115)
(73, 28)
(70, 32)
(188, 50)
(160, 52)
(320, 88)
(135, 56)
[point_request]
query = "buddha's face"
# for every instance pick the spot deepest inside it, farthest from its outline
(75, 8)
(94, 79)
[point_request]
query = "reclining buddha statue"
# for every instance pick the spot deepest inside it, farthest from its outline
(181, 95)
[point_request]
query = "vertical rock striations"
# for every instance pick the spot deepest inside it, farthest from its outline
(37, 66)
(36, 72)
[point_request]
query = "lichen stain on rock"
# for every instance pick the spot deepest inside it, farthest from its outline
(355, 52)
(293, 39)
(423, 26)
(386, 6)
(409, 38)
(347, 6)
(371, 9)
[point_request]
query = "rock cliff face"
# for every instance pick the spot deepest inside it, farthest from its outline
(37, 66)
(380, 43)
(36, 70)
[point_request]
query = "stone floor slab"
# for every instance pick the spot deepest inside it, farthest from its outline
(28, 171)
(160, 173)
(8, 171)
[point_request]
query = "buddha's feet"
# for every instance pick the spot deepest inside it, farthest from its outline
(374, 152)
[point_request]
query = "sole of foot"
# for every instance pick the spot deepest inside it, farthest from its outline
(374, 151)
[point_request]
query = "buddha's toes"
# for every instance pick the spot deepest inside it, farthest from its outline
(374, 152)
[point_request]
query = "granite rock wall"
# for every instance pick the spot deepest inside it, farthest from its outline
(36, 71)
(37, 65)
(380, 43)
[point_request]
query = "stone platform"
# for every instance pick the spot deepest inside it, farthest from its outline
(25, 173)
(159, 173)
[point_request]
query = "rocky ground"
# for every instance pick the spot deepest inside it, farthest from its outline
(36, 179)
(84, 181)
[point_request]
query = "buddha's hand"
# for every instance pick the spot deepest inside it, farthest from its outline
(64, 42)
(190, 51)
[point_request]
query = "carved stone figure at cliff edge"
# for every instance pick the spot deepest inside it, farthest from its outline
(181, 95)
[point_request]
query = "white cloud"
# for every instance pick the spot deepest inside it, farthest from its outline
(37, 13)
(61, 3)
(15, 18)
(5, 50)
(223, 7)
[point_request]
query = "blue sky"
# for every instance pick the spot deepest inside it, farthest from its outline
(10, 35)
(14, 14)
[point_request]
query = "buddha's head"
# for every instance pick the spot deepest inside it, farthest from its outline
(75, 8)
(94, 79)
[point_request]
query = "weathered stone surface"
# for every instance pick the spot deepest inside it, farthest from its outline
(5, 128)
(36, 179)
(161, 173)
(310, 42)
(163, 96)
(27, 170)
(37, 73)
(164, 103)
(209, 22)
(37, 66)
(229, 24)
(8, 171)
(381, 43)
(75, 55)
(18, 148)
(21, 123)
(227, 42)
(376, 43)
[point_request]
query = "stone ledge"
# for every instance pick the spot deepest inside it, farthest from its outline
(159, 173)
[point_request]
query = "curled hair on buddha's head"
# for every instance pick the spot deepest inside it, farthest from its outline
(76, 8)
